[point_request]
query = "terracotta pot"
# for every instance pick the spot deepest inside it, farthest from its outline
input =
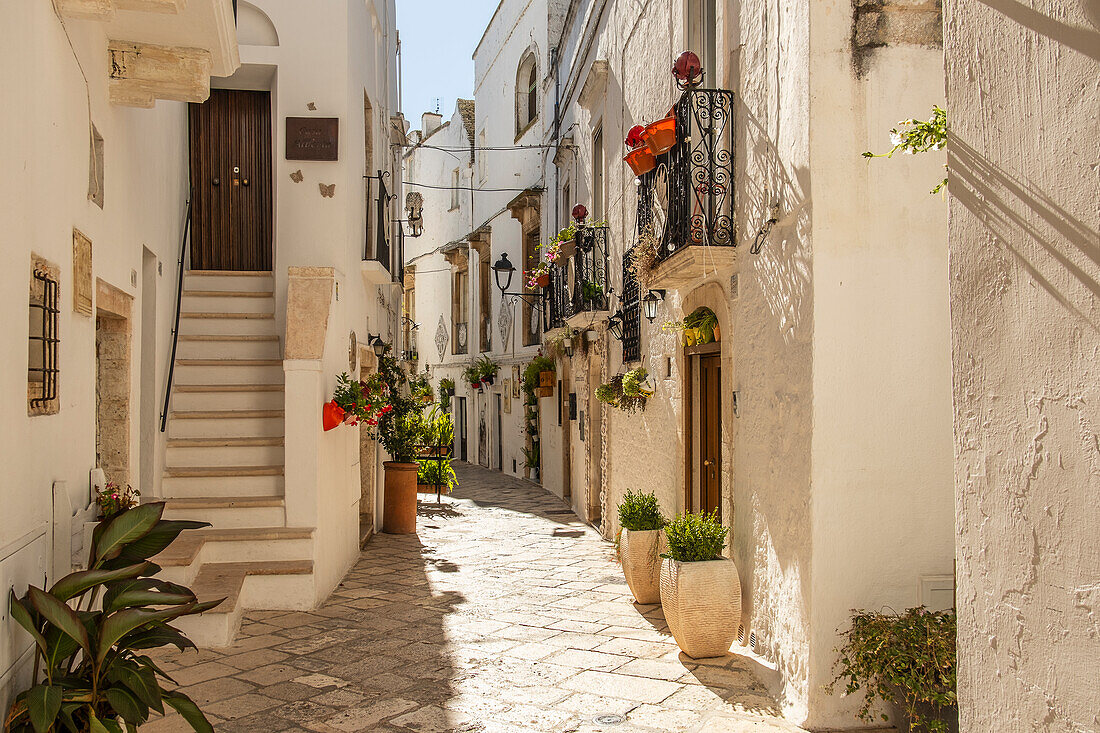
(332, 415)
(399, 498)
(641, 161)
(543, 280)
(660, 136)
(717, 333)
(702, 605)
(567, 249)
(640, 553)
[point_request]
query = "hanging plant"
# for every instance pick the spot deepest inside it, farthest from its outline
(643, 260)
(354, 401)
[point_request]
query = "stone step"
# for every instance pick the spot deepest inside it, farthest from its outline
(212, 346)
(195, 397)
(225, 423)
(229, 371)
(181, 561)
(228, 280)
(215, 452)
(228, 301)
(245, 324)
(256, 482)
(229, 512)
(270, 585)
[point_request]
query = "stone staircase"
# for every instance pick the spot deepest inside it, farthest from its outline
(225, 458)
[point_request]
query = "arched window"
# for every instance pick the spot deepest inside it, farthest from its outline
(527, 80)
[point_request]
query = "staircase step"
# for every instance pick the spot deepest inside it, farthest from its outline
(221, 471)
(215, 484)
(228, 301)
(231, 371)
(208, 397)
(228, 388)
(228, 442)
(227, 316)
(226, 414)
(229, 512)
(228, 294)
(227, 423)
(229, 281)
(203, 323)
(225, 579)
(236, 452)
(185, 550)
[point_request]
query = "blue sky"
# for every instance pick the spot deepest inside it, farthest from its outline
(437, 40)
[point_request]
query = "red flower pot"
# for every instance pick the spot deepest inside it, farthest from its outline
(543, 280)
(660, 136)
(641, 161)
(332, 415)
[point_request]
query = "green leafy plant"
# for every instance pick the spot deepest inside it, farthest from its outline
(112, 499)
(591, 290)
(531, 456)
(421, 388)
(447, 386)
(366, 400)
(613, 393)
(606, 394)
(695, 537)
(472, 374)
(89, 665)
(435, 472)
(918, 136)
(633, 383)
(531, 372)
(400, 429)
(487, 368)
(639, 512)
(439, 428)
(908, 659)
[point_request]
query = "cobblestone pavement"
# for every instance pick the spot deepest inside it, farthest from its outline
(504, 613)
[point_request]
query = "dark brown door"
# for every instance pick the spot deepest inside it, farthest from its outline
(231, 180)
(710, 433)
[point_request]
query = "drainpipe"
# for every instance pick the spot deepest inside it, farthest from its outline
(554, 61)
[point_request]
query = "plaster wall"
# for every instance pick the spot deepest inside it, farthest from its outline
(53, 92)
(1023, 239)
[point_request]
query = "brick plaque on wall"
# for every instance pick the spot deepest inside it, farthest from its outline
(312, 138)
(82, 273)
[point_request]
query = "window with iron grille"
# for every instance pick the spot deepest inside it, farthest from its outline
(632, 326)
(42, 362)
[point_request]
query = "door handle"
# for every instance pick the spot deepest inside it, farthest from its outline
(216, 182)
(244, 181)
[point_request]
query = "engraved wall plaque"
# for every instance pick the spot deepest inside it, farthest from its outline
(312, 138)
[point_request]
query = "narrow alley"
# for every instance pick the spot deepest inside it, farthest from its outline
(504, 613)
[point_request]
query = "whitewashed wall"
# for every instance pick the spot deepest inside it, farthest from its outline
(1021, 88)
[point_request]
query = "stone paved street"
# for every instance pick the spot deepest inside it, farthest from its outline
(504, 613)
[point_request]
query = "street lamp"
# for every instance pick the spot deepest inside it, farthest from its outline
(615, 325)
(503, 270)
(649, 303)
(567, 345)
(377, 344)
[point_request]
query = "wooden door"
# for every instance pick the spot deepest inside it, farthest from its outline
(710, 433)
(231, 181)
(460, 428)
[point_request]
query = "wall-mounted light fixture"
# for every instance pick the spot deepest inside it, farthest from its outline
(615, 325)
(376, 343)
(649, 303)
(503, 270)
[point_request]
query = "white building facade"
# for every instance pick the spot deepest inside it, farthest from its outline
(135, 118)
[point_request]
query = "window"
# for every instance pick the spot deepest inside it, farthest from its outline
(409, 321)
(527, 82)
(460, 310)
(42, 364)
(484, 282)
(455, 182)
(566, 204)
(702, 32)
(597, 175)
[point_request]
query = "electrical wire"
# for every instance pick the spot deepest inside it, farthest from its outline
(470, 188)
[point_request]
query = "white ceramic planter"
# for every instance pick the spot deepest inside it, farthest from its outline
(640, 553)
(702, 604)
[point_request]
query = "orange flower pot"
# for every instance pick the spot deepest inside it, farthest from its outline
(660, 136)
(641, 161)
(399, 498)
(332, 415)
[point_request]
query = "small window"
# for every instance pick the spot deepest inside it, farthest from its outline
(42, 362)
(527, 82)
(455, 182)
(95, 168)
(597, 175)
(702, 31)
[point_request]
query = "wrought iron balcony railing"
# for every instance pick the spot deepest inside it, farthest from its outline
(687, 199)
(581, 283)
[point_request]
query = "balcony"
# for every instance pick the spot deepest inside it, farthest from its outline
(578, 291)
(686, 201)
(377, 266)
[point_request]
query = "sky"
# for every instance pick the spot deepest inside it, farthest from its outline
(437, 41)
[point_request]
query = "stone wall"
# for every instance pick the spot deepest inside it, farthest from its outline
(1021, 87)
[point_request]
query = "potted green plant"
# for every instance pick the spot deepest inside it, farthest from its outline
(908, 659)
(538, 376)
(531, 461)
(472, 375)
(591, 291)
(401, 430)
(605, 393)
(112, 499)
(636, 383)
(641, 544)
(487, 370)
(700, 589)
(93, 628)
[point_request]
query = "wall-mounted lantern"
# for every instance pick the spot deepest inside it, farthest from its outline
(414, 209)
(615, 325)
(649, 303)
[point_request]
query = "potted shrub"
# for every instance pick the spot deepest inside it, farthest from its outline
(538, 377)
(401, 430)
(531, 461)
(592, 291)
(91, 673)
(636, 383)
(111, 499)
(907, 659)
(487, 370)
(354, 401)
(700, 589)
(640, 545)
(472, 375)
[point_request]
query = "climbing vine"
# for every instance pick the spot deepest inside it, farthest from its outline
(918, 136)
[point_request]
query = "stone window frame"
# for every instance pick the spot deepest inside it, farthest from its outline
(527, 108)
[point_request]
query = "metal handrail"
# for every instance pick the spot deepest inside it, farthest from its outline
(179, 301)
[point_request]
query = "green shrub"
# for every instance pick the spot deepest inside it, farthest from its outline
(638, 512)
(695, 537)
(435, 472)
(402, 429)
(531, 372)
(908, 659)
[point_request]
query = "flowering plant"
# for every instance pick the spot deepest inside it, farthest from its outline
(362, 400)
(920, 137)
(552, 249)
(112, 499)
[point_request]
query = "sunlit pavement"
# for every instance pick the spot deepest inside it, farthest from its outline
(503, 613)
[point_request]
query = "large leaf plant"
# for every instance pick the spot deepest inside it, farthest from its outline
(90, 630)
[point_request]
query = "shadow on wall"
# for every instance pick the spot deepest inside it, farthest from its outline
(1079, 39)
(997, 198)
(773, 330)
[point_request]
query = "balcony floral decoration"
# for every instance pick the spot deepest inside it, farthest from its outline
(355, 401)
(560, 248)
(472, 375)
(640, 158)
(629, 392)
